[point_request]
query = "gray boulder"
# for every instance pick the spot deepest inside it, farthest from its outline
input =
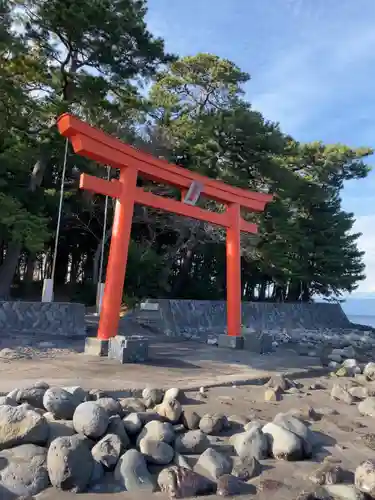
(19, 425)
(80, 394)
(190, 419)
(178, 482)
(327, 473)
(359, 392)
(156, 452)
(344, 492)
(314, 493)
(213, 464)
(192, 442)
(252, 443)
(90, 420)
(41, 384)
(279, 383)
(28, 407)
(352, 366)
(212, 423)
(95, 394)
(170, 410)
(349, 352)
(107, 451)
(58, 428)
(97, 473)
(296, 426)
(131, 405)
(32, 395)
(179, 428)
(6, 400)
(367, 407)
(364, 477)
(333, 365)
(132, 474)
(285, 445)
(60, 403)
(152, 397)
(116, 426)
(24, 470)
(337, 358)
(110, 405)
(14, 393)
(70, 463)
(133, 423)
(230, 486)
(341, 393)
(148, 416)
(180, 461)
(173, 393)
(157, 431)
(247, 469)
(237, 421)
(369, 371)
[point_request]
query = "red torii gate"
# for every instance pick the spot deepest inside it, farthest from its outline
(96, 145)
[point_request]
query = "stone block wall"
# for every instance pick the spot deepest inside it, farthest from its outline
(47, 318)
(200, 319)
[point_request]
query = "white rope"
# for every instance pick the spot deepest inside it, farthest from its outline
(60, 210)
(104, 230)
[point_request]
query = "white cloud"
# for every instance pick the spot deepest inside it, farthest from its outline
(321, 67)
(365, 224)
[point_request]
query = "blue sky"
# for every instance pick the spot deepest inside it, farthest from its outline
(312, 67)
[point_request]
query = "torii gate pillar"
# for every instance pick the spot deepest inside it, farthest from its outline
(94, 144)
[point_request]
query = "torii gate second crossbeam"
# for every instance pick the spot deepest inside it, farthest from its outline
(96, 145)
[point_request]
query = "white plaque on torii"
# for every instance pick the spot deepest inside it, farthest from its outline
(193, 194)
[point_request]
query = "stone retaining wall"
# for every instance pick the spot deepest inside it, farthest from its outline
(52, 318)
(192, 318)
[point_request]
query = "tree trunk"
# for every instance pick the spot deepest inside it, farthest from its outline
(262, 291)
(62, 262)
(184, 272)
(306, 295)
(279, 293)
(8, 269)
(74, 270)
(2, 251)
(250, 292)
(88, 268)
(294, 291)
(30, 267)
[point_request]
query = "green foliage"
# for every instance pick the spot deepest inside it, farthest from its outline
(20, 225)
(144, 269)
(94, 58)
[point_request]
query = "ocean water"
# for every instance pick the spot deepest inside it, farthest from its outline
(362, 319)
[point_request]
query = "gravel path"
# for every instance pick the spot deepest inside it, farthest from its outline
(26, 347)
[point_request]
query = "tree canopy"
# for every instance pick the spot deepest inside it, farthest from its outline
(99, 61)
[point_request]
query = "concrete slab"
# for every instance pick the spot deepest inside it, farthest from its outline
(128, 349)
(230, 342)
(96, 347)
(185, 364)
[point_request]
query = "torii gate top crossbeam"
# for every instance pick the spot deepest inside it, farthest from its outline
(95, 144)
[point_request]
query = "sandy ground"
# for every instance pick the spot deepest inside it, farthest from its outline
(185, 364)
(190, 365)
(342, 432)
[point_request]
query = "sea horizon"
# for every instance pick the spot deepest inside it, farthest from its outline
(361, 319)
